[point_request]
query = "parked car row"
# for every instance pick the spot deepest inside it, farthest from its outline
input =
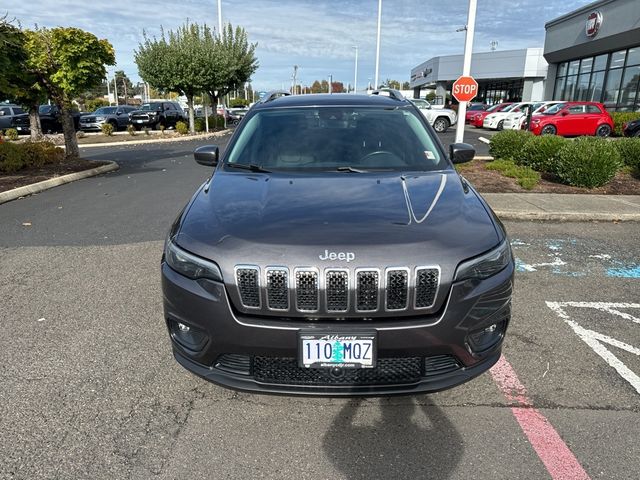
(548, 118)
(49, 120)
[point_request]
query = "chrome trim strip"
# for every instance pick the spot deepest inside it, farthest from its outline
(295, 283)
(349, 289)
(415, 286)
(235, 278)
(357, 287)
(266, 287)
(386, 287)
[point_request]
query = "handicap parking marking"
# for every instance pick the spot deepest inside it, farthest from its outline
(598, 341)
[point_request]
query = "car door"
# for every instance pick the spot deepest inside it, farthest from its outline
(570, 120)
(593, 116)
(5, 117)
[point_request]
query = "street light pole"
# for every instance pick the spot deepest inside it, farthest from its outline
(466, 66)
(378, 44)
(355, 74)
(330, 83)
(220, 18)
(295, 74)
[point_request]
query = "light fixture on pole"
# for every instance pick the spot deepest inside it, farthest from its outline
(466, 65)
(355, 73)
(378, 44)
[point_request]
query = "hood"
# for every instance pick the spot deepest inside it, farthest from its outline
(386, 219)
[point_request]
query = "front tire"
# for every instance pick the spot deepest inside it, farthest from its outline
(500, 125)
(603, 131)
(441, 124)
(548, 130)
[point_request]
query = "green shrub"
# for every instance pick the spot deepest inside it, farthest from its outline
(182, 128)
(11, 134)
(509, 143)
(162, 128)
(216, 122)
(629, 149)
(199, 125)
(621, 117)
(239, 102)
(95, 103)
(131, 130)
(80, 134)
(12, 157)
(588, 162)
(539, 153)
(527, 178)
(107, 129)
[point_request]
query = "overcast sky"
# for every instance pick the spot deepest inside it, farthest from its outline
(317, 35)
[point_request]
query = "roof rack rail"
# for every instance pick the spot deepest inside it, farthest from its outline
(273, 95)
(390, 92)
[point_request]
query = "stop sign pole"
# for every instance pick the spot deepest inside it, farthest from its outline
(466, 66)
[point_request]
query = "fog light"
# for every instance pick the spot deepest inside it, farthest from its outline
(187, 336)
(183, 327)
(487, 338)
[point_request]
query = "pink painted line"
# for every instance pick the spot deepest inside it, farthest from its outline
(559, 461)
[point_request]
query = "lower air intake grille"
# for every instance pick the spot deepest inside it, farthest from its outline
(426, 286)
(367, 291)
(234, 363)
(397, 289)
(337, 289)
(439, 365)
(248, 286)
(307, 290)
(278, 289)
(389, 371)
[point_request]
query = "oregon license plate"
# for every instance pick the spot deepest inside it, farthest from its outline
(330, 350)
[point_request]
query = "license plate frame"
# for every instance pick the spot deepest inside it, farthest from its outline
(350, 358)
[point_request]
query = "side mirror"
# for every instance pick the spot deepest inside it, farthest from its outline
(207, 155)
(564, 113)
(461, 152)
(1, 113)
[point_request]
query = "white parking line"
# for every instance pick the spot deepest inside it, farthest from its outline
(596, 340)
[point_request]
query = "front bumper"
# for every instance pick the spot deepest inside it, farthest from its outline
(439, 346)
(491, 123)
(91, 126)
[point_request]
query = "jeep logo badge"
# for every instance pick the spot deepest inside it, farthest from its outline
(345, 256)
(594, 22)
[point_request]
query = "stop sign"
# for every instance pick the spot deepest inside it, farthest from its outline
(465, 89)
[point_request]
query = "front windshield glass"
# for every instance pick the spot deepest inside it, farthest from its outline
(508, 108)
(151, 106)
(493, 108)
(44, 109)
(476, 107)
(106, 111)
(555, 109)
(328, 138)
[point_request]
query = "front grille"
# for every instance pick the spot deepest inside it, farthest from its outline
(278, 288)
(388, 371)
(427, 280)
(248, 286)
(397, 289)
(337, 290)
(367, 291)
(307, 290)
(87, 119)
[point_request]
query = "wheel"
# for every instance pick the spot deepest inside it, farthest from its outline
(637, 134)
(500, 125)
(441, 124)
(603, 130)
(114, 124)
(548, 130)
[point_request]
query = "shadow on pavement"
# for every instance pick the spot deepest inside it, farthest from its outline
(405, 442)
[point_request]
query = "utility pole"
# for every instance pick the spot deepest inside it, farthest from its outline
(115, 88)
(108, 89)
(466, 66)
(220, 18)
(355, 74)
(378, 44)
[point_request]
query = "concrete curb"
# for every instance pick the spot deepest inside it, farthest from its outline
(54, 182)
(483, 157)
(568, 216)
(153, 140)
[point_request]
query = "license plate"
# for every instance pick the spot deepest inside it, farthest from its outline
(19, 128)
(140, 121)
(330, 350)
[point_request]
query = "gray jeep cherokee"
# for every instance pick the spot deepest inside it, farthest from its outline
(335, 250)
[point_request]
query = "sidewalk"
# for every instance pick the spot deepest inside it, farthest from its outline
(564, 207)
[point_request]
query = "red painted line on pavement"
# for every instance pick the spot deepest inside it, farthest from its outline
(559, 461)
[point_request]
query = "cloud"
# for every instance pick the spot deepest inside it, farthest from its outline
(317, 35)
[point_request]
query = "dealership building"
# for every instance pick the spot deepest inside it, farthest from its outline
(592, 53)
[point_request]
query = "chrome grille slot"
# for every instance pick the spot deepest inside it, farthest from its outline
(427, 279)
(397, 289)
(277, 288)
(337, 290)
(307, 290)
(249, 286)
(367, 282)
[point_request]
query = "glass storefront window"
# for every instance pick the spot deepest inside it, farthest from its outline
(595, 87)
(633, 57)
(562, 69)
(617, 59)
(585, 65)
(629, 87)
(569, 88)
(582, 88)
(557, 92)
(573, 67)
(612, 90)
(600, 62)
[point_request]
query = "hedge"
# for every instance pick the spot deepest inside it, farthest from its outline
(588, 162)
(622, 117)
(629, 149)
(508, 144)
(16, 156)
(539, 153)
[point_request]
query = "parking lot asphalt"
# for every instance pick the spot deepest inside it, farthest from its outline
(90, 388)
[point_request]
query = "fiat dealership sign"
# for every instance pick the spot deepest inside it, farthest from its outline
(465, 89)
(594, 22)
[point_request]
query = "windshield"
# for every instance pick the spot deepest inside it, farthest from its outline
(495, 107)
(151, 106)
(555, 109)
(106, 111)
(477, 107)
(508, 108)
(44, 109)
(420, 103)
(329, 138)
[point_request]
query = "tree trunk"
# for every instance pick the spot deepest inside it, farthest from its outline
(192, 127)
(34, 123)
(69, 130)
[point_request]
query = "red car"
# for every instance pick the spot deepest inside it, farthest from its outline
(478, 118)
(571, 119)
(474, 108)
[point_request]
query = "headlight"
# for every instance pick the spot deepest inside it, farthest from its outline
(100, 119)
(485, 265)
(189, 265)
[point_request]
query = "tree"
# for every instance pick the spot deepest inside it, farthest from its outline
(67, 62)
(324, 86)
(395, 84)
(316, 87)
(124, 84)
(406, 86)
(337, 87)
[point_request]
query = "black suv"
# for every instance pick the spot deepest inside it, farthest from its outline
(335, 250)
(7, 112)
(49, 120)
(155, 114)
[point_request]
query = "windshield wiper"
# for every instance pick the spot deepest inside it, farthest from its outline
(350, 169)
(248, 166)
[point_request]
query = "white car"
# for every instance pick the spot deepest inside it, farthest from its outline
(516, 120)
(495, 121)
(439, 118)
